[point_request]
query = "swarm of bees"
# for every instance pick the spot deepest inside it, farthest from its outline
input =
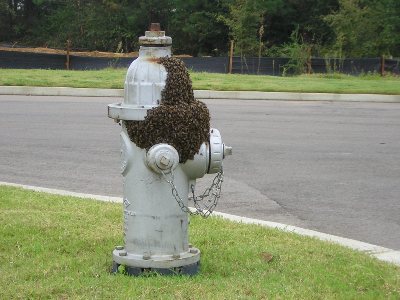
(180, 121)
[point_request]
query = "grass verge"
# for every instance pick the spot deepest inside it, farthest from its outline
(60, 247)
(114, 78)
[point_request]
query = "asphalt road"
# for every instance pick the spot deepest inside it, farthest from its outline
(331, 167)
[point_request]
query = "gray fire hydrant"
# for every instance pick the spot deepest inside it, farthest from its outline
(156, 185)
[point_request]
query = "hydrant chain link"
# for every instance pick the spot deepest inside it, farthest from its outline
(203, 207)
(175, 193)
(212, 201)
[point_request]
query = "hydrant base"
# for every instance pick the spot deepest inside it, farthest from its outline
(188, 270)
(184, 263)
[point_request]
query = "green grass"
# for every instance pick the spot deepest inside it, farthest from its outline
(317, 83)
(60, 247)
(114, 78)
(108, 78)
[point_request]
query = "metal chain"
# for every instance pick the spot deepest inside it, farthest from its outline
(205, 203)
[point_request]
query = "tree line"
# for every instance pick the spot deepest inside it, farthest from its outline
(304, 28)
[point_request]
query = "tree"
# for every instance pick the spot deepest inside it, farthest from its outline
(89, 24)
(306, 16)
(6, 19)
(386, 16)
(245, 19)
(299, 53)
(366, 28)
(196, 28)
(204, 27)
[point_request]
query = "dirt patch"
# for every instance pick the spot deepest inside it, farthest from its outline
(64, 52)
(76, 53)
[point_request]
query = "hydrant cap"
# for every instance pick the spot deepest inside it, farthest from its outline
(155, 37)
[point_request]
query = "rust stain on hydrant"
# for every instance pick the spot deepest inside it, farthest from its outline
(155, 27)
(154, 59)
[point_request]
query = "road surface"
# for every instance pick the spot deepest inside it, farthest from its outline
(331, 167)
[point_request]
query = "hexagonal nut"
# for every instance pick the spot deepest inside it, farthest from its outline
(164, 160)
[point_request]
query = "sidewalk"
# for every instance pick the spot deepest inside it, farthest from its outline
(203, 94)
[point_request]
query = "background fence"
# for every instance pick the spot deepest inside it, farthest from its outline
(353, 66)
(246, 65)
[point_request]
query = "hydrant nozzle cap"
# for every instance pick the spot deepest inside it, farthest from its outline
(155, 37)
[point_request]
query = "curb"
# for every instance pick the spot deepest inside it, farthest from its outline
(278, 96)
(203, 94)
(60, 91)
(381, 253)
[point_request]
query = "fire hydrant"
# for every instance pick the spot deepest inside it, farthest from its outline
(157, 182)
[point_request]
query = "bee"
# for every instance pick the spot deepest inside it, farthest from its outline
(180, 120)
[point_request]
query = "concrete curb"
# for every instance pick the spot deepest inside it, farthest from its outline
(202, 94)
(250, 95)
(59, 91)
(381, 253)
(63, 192)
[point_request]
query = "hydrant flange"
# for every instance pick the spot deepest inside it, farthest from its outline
(118, 111)
(149, 261)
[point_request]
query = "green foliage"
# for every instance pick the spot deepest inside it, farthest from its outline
(243, 24)
(306, 15)
(334, 63)
(366, 28)
(6, 16)
(245, 19)
(299, 54)
(350, 28)
(95, 26)
(196, 28)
